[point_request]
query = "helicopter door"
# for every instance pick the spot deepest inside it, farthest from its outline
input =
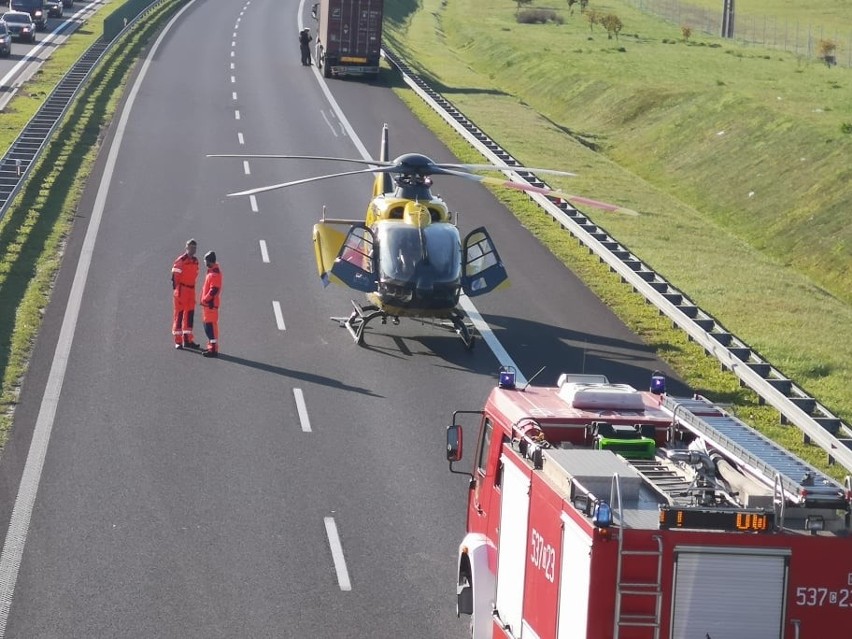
(483, 269)
(354, 265)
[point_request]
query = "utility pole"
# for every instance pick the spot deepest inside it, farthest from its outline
(728, 19)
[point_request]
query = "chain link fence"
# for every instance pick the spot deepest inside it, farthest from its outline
(799, 38)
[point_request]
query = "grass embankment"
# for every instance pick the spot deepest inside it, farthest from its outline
(33, 231)
(736, 158)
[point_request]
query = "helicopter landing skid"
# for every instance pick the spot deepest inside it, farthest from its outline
(363, 315)
(360, 317)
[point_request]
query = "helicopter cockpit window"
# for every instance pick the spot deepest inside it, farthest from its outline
(407, 252)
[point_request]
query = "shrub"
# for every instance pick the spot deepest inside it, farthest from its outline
(612, 24)
(846, 127)
(686, 32)
(826, 50)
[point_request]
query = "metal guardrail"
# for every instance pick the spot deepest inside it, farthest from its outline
(818, 424)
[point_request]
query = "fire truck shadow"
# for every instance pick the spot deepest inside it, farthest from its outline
(296, 374)
(622, 359)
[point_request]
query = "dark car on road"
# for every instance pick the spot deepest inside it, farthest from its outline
(36, 8)
(55, 8)
(5, 40)
(20, 25)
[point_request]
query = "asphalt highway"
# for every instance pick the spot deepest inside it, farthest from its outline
(296, 486)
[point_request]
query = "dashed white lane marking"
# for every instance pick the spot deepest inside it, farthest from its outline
(233, 43)
(232, 66)
(337, 554)
(234, 95)
(304, 420)
(233, 79)
(236, 114)
(241, 139)
(246, 168)
(264, 254)
(253, 202)
(279, 316)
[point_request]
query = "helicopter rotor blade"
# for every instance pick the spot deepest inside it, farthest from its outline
(553, 193)
(298, 157)
(505, 167)
(273, 187)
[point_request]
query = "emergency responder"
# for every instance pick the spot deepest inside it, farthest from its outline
(305, 46)
(184, 276)
(210, 294)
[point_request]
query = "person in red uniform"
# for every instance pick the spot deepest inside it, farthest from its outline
(184, 276)
(210, 295)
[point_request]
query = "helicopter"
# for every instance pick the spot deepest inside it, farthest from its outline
(407, 255)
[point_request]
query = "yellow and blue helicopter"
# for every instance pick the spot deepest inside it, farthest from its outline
(407, 255)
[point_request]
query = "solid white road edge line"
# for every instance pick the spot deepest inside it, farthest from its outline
(304, 420)
(16, 536)
(279, 316)
(337, 554)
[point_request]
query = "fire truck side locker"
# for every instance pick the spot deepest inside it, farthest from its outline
(575, 576)
(512, 551)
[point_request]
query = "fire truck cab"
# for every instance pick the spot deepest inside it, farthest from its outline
(598, 511)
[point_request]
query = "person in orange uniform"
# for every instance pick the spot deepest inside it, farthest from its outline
(184, 276)
(210, 295)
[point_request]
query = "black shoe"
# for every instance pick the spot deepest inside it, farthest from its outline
(210, 354)
(178, 347)
(192, 345)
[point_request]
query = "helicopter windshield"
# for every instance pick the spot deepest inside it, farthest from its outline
(404, 256)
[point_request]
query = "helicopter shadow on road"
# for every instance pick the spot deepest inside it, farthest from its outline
(560, 350)
(296, 374)
(440, 344)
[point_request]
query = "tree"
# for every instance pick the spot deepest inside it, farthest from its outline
(593, 17)
(826, 49)
(612, 24)
(571, 4)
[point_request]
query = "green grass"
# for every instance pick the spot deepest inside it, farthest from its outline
(33, 231)
(735, 158)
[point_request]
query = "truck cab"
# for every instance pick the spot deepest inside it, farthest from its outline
(598, 511)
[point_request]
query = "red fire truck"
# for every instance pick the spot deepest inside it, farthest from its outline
(598, 511)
